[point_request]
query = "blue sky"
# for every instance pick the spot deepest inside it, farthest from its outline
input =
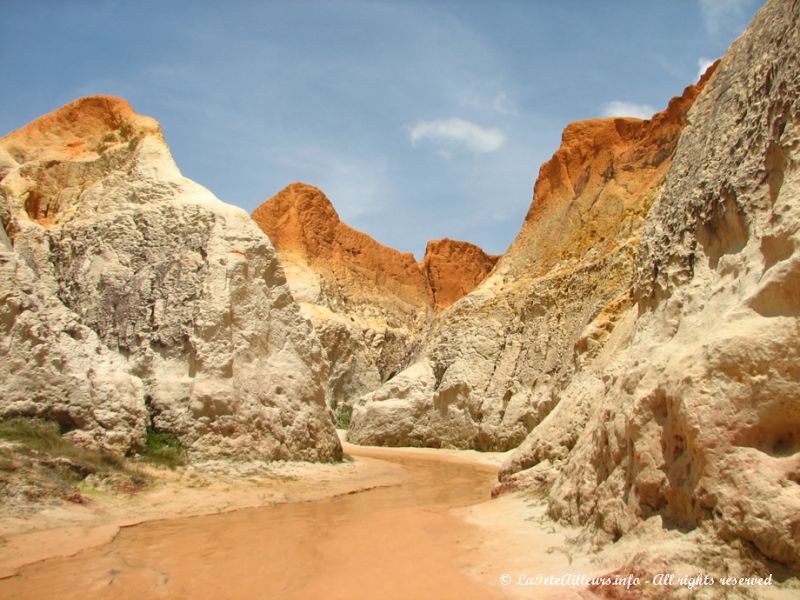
(420, 120)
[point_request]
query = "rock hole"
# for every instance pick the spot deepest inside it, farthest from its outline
(65, 423)
(786, 444)
(679, 446)
(778, 440)
(37, 207)
(152, 413)
(775, 165)
(725, 232)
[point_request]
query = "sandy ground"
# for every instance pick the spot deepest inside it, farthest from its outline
(65, 528)
(500, 545)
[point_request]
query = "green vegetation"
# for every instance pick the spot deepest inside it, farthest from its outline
(42, 455)
(164, 449)
(43, 437)
(344, 414)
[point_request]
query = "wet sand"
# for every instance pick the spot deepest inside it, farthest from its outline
(410, 524)
(401, 540)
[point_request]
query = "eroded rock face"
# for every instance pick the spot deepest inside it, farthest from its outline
(501, 354)
(693, 417)
(370, 304)
(453, 269)
(134, 297)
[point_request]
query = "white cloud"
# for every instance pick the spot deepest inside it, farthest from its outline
(454, 133)
(702, 64)
(618, 108)
(715, 12)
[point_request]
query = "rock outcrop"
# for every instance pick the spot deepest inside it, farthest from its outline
(693, 418)
(133, 298)
(453, 269)
(493, 365)
(370, 304)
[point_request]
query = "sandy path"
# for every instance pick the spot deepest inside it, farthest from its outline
(390, 524)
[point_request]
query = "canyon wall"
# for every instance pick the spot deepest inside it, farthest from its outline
(639, 340)
(691, 415)
(369, 303)
(494, 363)
(132, 298)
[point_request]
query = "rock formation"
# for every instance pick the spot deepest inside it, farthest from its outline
(640, 337)
(692, 416)
(370, 304)
(133, 298)
(494, 362)
(453, 269)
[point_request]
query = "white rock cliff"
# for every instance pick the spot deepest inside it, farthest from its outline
(132, 297)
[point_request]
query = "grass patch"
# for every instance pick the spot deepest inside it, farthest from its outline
(44, 454)
(344, 414)
(43, 437)
(164, 449)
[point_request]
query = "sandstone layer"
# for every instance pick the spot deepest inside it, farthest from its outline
(453, 269)
(494, 363)
(369, 303)
(132, 298)
(692, 417)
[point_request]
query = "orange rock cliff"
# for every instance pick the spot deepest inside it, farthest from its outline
(598, 186)
(62, 146)
(454, 268)
(304, 227)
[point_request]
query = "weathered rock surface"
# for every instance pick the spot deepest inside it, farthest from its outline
(694, 417)
(370, 304)
(131, 296)
(453, 269)
(500, 355)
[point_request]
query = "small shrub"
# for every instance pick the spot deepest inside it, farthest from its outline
(344, 414)
(163, 448)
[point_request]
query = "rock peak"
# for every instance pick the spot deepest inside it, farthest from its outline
(153, 303)
(369, 303)
(301, 222)
(454, 268)
(82, 129)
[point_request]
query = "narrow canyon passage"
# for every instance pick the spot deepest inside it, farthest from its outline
(389, 542)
